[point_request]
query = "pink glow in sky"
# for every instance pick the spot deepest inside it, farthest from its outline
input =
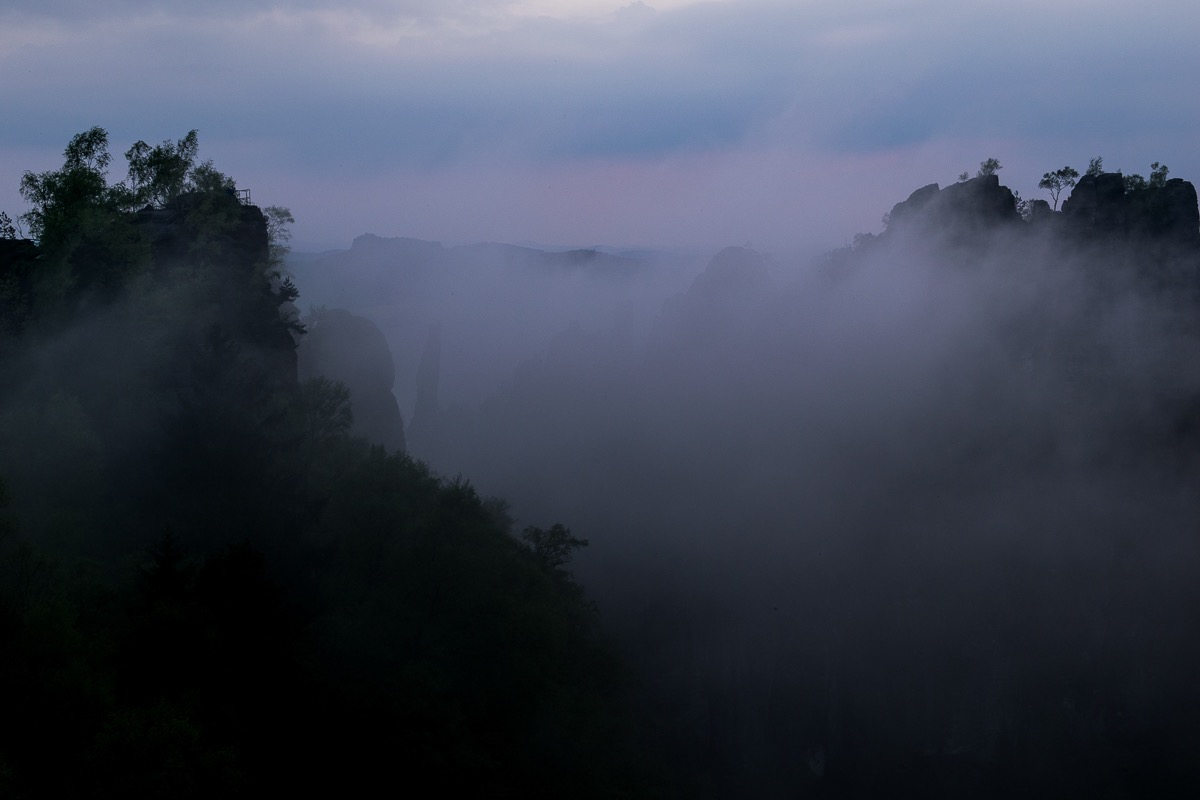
(786, 124)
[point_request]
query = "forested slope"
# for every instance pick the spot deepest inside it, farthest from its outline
(207, 586)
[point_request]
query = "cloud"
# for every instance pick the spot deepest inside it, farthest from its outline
(368, 89)
(79, 10)
(705, 75)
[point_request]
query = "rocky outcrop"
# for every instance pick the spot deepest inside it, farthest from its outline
(1039, 212)
(733, 270)
(1101, 207)
(205, 225)
(227, 243)
(1097, 205)
(1166, 212)
(715, 306)
(352, 350)
(908, 210)
(961, 210)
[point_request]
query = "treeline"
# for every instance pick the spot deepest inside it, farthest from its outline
(207, 586)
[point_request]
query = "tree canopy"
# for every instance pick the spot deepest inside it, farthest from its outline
(989, 166)
(1057, 181)
(156, 176)
(1158, 179)
(60, 197)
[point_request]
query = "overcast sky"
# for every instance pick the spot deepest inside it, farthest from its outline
(788, 125)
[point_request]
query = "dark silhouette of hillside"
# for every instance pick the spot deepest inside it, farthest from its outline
(208, 585)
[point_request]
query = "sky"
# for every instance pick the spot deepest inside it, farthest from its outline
(787, 125)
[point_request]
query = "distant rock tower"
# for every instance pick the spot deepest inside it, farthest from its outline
(348, 348)
(423, 430)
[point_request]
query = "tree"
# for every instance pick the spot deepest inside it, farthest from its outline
(1024, 207)
(207, 178)
(552, 548)
(1158, 179)
(88, 150)
(159, 174)
(1158, 175)
(278, 234)
(989, 166)
(1095, 167)
(7, 229)
(1134, 183)
(68, 200)
(60, 197)
(327, 410)
(1055, 182)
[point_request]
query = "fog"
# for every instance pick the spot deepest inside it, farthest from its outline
(928, 499)
(913, 517)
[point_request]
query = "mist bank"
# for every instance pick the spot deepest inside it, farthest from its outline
(495, 303)
(920, 514)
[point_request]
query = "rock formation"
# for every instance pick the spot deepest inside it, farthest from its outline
(423, 430)
(1101, 207)
(351, 349)
(961, 210)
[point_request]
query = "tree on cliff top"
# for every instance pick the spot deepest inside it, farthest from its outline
(989, 166)
(158, 174)
(60, 197)
(1055, 182)
(1158, 179)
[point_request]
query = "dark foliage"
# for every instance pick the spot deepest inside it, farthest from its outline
(208, 588)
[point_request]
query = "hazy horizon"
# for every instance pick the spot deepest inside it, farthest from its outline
(788, 126)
